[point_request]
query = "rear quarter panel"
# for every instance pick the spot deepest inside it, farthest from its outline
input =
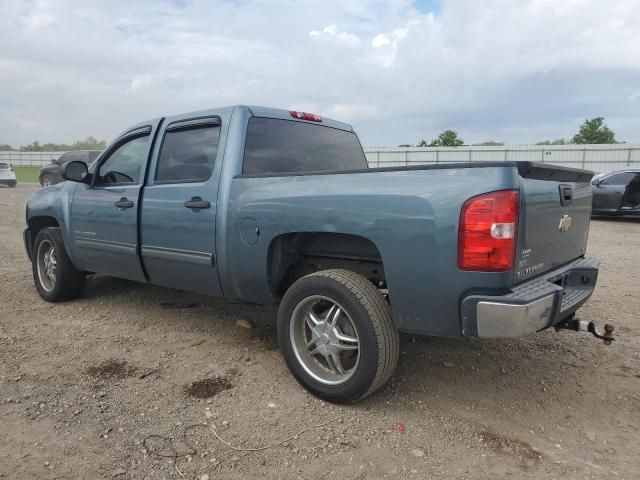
(411, 216)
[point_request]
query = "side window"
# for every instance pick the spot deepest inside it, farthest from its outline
(92, 155)
(619, 178)
(71, 156)
(65, 157)
(125, 164)
(188, 154)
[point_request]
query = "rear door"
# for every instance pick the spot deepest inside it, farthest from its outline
(608, 192)
(178, 215)
(104, 215)
(555, 211)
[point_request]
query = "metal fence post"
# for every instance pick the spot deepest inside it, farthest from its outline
(584, 155)
(629, 158)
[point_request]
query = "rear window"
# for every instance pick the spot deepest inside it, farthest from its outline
(4, 166)
(282, 146)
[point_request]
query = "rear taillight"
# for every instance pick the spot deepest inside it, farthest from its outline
(487, 232)
(310, 117)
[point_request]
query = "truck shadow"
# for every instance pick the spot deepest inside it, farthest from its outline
(538, 371)
(629, 219)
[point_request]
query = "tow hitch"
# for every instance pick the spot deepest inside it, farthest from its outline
(578, 325)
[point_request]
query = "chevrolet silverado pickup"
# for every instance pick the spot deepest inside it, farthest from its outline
(279, 207)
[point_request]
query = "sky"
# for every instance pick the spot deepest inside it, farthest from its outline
(517, 71)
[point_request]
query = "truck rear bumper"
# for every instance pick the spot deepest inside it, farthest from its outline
(531, 306)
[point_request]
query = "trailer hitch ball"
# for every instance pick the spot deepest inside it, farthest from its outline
(578, 325)
(608, 331)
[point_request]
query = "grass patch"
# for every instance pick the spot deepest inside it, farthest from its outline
(27, 174)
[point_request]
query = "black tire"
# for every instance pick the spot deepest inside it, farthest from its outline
(46, 180)
(69, 282)
(13, 184)
(371, 315)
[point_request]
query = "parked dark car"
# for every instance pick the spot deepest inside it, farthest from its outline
(50, 174)
(616, 193)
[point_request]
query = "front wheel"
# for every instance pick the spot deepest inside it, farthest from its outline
(337, 336)
(54, 275)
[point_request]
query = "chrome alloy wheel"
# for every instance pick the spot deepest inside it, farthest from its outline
(47, 265)
(325, 340)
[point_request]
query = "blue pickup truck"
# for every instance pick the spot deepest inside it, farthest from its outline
(279, 207)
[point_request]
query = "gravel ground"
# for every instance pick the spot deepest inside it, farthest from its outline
(120, 384)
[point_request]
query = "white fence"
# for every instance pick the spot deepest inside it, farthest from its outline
(29, 159)
(599, 158)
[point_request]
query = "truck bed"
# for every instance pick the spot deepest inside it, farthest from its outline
(410, 214)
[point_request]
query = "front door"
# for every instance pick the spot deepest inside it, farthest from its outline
(631, 197)
(607, 194)
(105, 213)
(178, 215)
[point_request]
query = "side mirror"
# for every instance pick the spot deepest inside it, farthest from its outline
(75, 171)
(596, 182)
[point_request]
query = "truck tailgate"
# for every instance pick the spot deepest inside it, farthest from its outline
(555, 211)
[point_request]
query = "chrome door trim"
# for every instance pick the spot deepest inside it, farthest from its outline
(177, 255)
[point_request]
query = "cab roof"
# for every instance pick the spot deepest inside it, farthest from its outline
(254, 110)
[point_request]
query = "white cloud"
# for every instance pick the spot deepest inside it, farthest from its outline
(332, 32)
(512, 71)
(139, 82)
(388, 43)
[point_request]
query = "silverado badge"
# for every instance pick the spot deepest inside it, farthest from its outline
(565, 223)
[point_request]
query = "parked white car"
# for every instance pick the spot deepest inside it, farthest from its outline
(7, 175)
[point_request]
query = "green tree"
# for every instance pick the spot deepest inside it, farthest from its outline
(89, 143)
(594, 130)
(403, 145)
(489, 143)
(5, 147)
(557, 141)
(448, 138)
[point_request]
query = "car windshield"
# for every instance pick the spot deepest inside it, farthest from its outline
(4, 166)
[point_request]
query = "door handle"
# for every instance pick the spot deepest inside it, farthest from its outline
(197, 202)
(124, 203)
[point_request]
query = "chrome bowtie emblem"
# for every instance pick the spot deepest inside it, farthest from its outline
(565, 223)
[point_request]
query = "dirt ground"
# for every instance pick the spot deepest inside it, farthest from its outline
(111, 385)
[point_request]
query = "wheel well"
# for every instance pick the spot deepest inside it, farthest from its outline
(294, 255)
(38, 223)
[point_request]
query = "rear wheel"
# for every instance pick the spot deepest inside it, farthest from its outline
(55, 277)
(337, 336)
